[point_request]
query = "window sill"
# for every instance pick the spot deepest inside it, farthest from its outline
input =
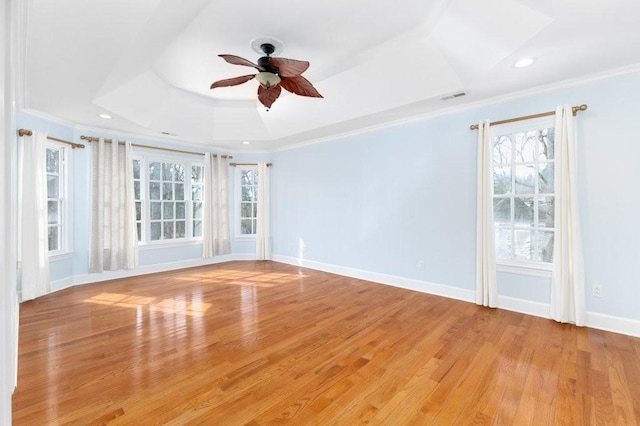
(543, 271)
(60, 256)
(162, 245)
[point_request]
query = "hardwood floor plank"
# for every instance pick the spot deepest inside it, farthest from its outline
(262, 342)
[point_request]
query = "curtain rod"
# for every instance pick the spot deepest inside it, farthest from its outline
(575, 109)
(248, 164)
(95, 139)
(26, 132)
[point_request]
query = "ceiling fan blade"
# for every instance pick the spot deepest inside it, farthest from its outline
(289, 67)
(268, 95)
(237, 60)
(233, 81)
(300, 86)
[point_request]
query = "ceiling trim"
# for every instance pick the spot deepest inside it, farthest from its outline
(538, 90)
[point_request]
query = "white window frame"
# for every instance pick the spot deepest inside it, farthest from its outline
(65, 200)
(147, 156)
(238, 203)
(541, 269)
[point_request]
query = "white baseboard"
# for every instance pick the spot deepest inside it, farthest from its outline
(393, 280)
(615, 324)
(594, 320)
(143, 270)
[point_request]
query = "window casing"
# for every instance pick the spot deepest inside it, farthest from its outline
(247, 179)
(168, 195)
(524, 193)
(58, 208)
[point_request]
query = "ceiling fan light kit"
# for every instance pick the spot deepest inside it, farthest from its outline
(274, 73)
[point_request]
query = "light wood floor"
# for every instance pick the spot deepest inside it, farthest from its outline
(262, 342)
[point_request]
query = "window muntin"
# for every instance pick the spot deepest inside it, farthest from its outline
(524, 196)
(248, 201)
(168, 196)
(57, 208)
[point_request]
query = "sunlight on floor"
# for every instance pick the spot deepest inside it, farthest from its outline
(168, 306)
(243, 278)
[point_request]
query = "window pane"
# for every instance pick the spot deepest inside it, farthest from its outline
(167, 191)
(167, 230)
(502, 149)
(546, 207)
(178, 172)
(545, 178)
(156, 211)
(53, 186)
(154, 191)
(180, 229)
(155, 230)
(525, 179)
(523, 211)
(501, 180)
(180, 210)
(196, 193)
(247, 193)
(525, 145)
(246, 210)
(167, 171)
(139, 227)
(246, 177)
(197, 173)
(167, 210)
(545, 247)
(245, 226)
(136, 169)
(179, 191)
(197, 228)
(546, 148)
(53, 238)
(524, 245)
(154, 171)
(253, 224)
(503, 242)
(197, 210)
(53, 161)
(502, 210)
(52, 207)
(138, 210)
(136, 190)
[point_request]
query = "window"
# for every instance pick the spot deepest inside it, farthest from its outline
(523, 187)
(56, 198)
(248, 200)
(168, 196)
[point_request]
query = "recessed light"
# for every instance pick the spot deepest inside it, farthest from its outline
(246, 143)
(524, 62)
(105, 116)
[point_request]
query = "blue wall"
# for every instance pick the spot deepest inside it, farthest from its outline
(384, 200)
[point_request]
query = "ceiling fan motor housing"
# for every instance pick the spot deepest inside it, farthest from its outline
(264, 63)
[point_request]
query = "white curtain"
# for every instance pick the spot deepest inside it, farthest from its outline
(216, 239)
(486, 283)
(114, 238)
(262, 222)
(567, 284)
(33, 242)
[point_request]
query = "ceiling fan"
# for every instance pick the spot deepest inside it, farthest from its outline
(274, 74)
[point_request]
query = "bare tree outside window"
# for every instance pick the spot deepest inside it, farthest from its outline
(523, 201)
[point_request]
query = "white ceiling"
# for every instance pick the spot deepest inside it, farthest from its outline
(149, 63)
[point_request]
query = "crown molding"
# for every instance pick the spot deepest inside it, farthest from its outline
(496, 100)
